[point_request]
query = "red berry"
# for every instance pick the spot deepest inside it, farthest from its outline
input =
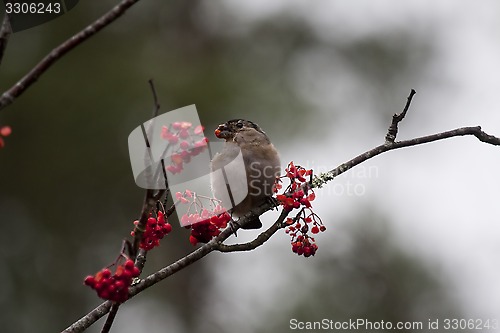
(305, 202)
(193, 240)
(186, 157)
(106, 273)
(161, 217)
(112, 288)
(5, 130)
(167, 228)
(129, 265)
(105, 283)
(151, 222)
(119, 284)
(105, 294)
(298, 194)
(136, 272)
(183, 133)
(198, 130)
(89, 281)
(174, 168)
(127, 276)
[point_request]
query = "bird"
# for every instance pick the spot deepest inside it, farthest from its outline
(244, 183)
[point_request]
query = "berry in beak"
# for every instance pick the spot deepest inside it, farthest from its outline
(222, 132)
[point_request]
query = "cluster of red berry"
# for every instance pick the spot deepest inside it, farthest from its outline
(4, 132)
(189, 142)
(298, 229)
(205, 225)
(304, 246)
(156, 229)
(113, 287)
(296, 196)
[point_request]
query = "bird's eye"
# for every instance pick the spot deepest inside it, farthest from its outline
(239, 124)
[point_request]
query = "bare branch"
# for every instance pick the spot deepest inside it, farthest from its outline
(318, 181)
(216, 243)
(89, 319)
(325, 177)
(111, 317)
(261, 239)
(17, 89)
(397, 118)
(201, 251)
(5, 32)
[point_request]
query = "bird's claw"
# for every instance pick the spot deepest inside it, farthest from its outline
(234, 225)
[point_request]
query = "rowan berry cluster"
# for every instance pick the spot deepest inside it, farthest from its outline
(186, 142)
(204, 223)
(208, 228)
(156, 229)
(299, 227)
(4, 132)
(296, 194)
(113, 286)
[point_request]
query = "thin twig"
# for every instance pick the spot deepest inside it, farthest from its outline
(155, 98)
(155, 114)
(5, 32)
(17, 89)
(150, 200)
(397, 118)
(111, 318)
(325, 177)
(140, 228)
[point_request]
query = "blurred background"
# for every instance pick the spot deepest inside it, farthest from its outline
(412, 234)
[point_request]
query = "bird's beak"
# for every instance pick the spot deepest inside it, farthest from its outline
(222, 132)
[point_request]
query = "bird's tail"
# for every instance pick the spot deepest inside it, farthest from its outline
(253, 224)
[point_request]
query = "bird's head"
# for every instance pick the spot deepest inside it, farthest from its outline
(229, 129)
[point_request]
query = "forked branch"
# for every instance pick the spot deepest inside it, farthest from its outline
(318, 181)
